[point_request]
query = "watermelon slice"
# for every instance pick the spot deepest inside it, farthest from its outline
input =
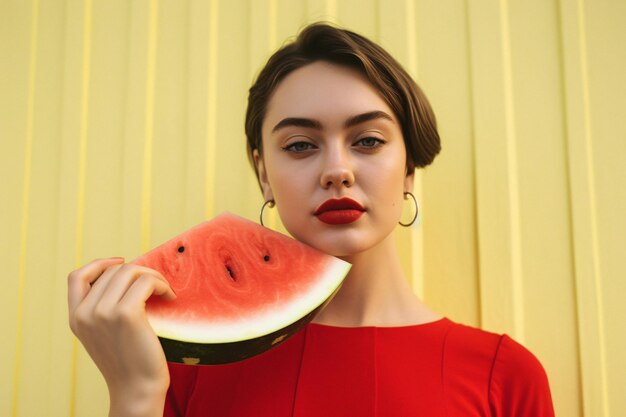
(241, 289)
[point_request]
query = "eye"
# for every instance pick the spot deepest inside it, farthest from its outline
(370, 142)
(298, 147)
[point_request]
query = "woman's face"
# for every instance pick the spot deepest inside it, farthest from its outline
(328, 135)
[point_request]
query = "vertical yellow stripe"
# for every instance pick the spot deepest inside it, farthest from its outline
(28, 153)
(149, 125)
(513, 181)
(592, 207)
(331, 10)
(211, 168)
(416, 234)
(377, 7)
(411, 37)
(271, 25)
(472, 123)
(80, 198)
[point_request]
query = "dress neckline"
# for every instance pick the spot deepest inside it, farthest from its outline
(434, 323)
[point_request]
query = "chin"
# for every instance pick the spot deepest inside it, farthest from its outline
(341, 243)
(340, 248)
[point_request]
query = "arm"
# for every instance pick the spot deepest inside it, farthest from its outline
(106, 302)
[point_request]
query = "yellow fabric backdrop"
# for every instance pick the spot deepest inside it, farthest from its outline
(121, 124)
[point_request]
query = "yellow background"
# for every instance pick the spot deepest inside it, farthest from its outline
(121, 125)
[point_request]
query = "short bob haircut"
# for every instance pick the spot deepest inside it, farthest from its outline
(323, 42)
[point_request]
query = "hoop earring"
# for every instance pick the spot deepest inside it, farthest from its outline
(271, 203)
(416, 210)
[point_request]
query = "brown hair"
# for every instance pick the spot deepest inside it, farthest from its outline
(321, 41)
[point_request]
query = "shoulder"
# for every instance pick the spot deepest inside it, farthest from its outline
(469, 344)
(513, 377)
(519, 384)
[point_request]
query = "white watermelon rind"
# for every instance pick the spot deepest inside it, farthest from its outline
(263, 323)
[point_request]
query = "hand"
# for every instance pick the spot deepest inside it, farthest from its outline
(106, 300)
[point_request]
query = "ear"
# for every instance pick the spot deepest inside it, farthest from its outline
(260, 167)
(409, 180)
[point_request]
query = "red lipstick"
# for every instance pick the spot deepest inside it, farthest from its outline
(339, 211)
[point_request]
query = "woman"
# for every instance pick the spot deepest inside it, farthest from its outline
(335, 130)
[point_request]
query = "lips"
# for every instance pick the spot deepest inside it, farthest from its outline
(339, 211)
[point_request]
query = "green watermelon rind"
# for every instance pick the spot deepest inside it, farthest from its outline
(275, 318)
(222, 353)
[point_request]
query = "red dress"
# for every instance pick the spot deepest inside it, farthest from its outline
(436, 369)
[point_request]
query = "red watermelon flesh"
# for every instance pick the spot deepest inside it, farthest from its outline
(237, 281)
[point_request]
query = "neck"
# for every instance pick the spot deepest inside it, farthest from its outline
(375, 293)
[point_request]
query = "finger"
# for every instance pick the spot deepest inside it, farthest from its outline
(144, 287)
(124, 279)
(79, 281)
(100, 287)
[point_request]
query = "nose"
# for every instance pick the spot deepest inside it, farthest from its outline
(337, 170)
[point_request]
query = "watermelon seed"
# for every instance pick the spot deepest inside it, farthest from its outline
(181, 249)
(266, 258)
(230, 272)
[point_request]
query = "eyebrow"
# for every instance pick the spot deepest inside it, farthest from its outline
(315, 124)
